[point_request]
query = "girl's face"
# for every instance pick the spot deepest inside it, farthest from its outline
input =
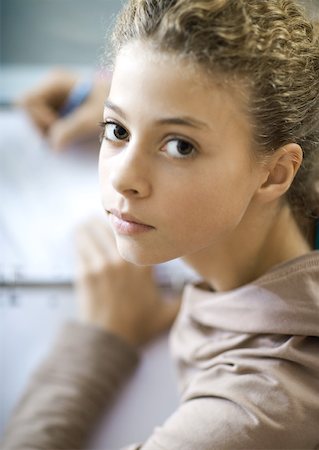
(175, 167)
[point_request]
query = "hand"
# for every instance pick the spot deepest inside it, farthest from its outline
(116, 295)
(45, 102)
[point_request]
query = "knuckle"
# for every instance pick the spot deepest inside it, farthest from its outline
(108, 269)
(94, 272)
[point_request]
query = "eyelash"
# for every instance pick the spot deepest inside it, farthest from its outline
(103, 125)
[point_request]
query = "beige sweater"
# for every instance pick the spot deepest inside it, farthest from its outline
(248, 363)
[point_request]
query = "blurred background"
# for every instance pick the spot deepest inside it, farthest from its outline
(64, 32)
(37, 34)
(38, 186)
(44, 195)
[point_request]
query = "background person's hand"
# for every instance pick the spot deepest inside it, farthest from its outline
(118, 296)
(46, 101)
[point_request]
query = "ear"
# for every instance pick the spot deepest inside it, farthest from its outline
(280, 171)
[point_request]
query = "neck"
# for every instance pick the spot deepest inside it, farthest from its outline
(253, 248)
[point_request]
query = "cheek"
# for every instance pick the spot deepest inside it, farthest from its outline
(208, 209)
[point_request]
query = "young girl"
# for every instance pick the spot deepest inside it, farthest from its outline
(208, 153)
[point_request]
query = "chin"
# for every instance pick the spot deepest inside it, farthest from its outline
(140, 257)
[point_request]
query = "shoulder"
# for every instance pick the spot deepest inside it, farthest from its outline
(252, 354)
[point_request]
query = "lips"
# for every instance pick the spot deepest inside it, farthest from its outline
(127, 224)
(127, 217)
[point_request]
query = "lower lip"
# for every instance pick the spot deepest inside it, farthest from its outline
(129, 228)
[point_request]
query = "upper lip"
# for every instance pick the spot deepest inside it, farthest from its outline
(125, 216)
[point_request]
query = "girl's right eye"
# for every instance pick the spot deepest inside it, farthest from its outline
(114, 132)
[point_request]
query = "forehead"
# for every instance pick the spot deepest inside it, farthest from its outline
(149, 66)
(156, 83)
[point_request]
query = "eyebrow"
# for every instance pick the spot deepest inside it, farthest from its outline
(184, 120)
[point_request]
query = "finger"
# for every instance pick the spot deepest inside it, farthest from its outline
(103, 236)
(81, 123)
(90, 257)
(42, 115)
(80, 267)
(53, 90)
(95, 244)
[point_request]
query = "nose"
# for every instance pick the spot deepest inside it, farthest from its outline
(130, 175)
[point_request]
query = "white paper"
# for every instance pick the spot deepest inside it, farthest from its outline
(44, 195)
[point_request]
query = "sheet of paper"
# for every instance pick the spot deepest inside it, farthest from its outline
(44, 195)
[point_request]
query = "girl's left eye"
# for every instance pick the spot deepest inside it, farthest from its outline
(179, 148)
(114, 132)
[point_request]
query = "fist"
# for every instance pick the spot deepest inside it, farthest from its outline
(116, 295)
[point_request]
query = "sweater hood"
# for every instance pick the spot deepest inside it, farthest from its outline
(283, 301)
(252, 354)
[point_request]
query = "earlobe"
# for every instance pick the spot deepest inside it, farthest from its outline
(281, 169)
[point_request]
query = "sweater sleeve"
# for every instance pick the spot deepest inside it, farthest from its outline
(212, 423)
(269, 407)
(69, 391)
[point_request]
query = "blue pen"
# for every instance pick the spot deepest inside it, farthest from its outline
(78, 94)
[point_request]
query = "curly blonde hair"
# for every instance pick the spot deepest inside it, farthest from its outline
(271, 45)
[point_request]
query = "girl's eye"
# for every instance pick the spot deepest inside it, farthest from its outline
(114, 132)
(178, 148)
